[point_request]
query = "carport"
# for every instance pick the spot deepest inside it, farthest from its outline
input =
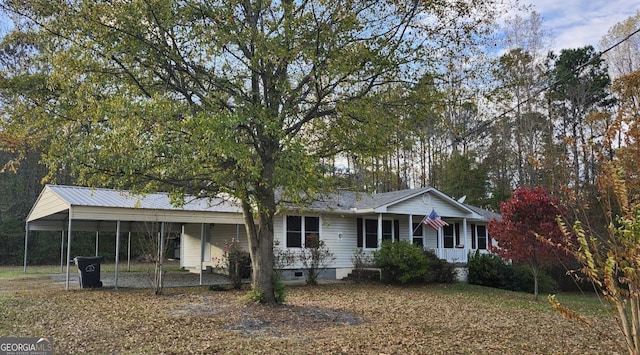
(82, 209)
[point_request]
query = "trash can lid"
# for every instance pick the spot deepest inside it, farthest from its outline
(88, 258)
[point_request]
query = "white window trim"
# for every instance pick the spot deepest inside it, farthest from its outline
(394, 237)
(302, 226)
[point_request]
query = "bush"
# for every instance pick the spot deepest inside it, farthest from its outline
(522, 280)
(401, 262)
(487, 270)
(440, 271)
(490, 270)
(315, 258)
(361, 260)
(279, 289)
(237, 262)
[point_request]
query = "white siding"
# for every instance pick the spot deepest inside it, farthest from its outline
(431, 238)
(215, 237)
(338, 233)
(48, 203)
(223, 233)
(190, 246)
(419, 205)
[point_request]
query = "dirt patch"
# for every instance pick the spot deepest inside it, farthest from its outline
(253, 320)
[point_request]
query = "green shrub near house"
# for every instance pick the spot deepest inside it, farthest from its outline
(490, 270)
(401, 262)
(440, 271)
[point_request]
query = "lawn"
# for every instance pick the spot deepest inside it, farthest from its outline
(338, 318)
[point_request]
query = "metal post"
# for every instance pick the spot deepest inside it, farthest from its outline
(201, 249)
(129, 252)
(117, 252)
(161, 252)
(68, 250)
(62, 251)
(97, 237)
(26, 245)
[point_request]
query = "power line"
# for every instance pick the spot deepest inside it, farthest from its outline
(486, 124)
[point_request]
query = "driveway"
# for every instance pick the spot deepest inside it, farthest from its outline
(145, 280)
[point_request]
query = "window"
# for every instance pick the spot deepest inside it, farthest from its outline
(367, 231)
(473, 236)
(370, 233)
(482, 237)
(478, 237)
(447, 232)
(297, 226)
(417, 234)
(387, 230)
(417, 229)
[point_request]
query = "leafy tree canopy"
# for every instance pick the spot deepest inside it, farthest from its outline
(238, 97)
(531, 212)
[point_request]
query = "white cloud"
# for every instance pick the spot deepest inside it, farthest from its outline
(577, 23)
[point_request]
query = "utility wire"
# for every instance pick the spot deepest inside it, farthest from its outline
(483, 126)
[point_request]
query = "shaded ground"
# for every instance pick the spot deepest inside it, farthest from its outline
(145, 279)
(329, 319)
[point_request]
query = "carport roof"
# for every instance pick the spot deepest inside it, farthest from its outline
(94, 208)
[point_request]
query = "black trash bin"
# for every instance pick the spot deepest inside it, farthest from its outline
(89, 269)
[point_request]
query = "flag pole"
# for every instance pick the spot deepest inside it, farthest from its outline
(421, 222)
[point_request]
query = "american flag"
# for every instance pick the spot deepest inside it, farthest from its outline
(434, 221)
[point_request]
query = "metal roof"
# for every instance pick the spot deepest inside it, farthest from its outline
(98, 197)
(93, 209)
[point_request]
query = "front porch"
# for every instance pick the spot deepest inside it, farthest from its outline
(456, 255)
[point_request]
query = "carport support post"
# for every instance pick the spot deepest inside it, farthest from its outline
(129, 251)
(201, 249)
(62, 251)
(68, 250)
(26, 244)
(161, 252)
(117, 252)
(97, 237)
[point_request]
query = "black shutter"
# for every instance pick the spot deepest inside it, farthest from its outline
(359, 232)
(396, 229)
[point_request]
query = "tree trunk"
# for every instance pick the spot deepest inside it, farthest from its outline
(534, 272)
(261, 249)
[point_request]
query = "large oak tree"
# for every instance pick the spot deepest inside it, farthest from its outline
(237, 98)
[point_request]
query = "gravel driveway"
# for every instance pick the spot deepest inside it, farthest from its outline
(145, 280)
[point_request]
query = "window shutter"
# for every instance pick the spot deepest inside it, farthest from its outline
(396, 230)
(359, 232)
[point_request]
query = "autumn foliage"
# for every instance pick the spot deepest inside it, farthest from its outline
(527, 216)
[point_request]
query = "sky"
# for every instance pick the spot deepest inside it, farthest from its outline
(577, 23)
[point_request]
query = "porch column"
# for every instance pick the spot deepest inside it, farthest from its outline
(117, 252)
(411, 229)
(465, 248)
(440, 238)
(201, 250)
(26, 245)
(379, 230)
(68, 250)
